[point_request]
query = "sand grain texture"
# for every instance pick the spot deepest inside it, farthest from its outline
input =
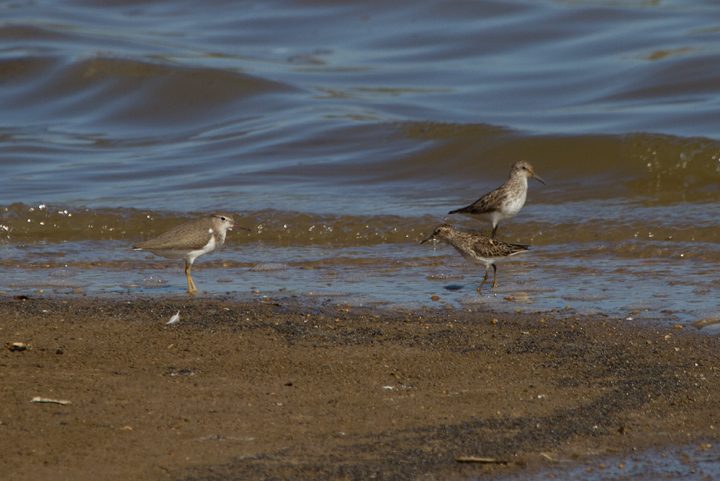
(250, 390)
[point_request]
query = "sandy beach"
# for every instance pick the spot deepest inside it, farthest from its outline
(281, 390)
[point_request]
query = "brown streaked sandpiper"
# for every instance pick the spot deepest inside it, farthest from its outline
(191, 240)
(476, 248)
(505, 201)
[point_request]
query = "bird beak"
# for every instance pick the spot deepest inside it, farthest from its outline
(432, 237)
(235, 224)
(537, 177)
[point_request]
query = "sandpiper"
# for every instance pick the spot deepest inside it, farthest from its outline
(505, 201)
(476, 248)
(191, 240)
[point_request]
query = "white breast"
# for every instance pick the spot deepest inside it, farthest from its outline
(514, 205)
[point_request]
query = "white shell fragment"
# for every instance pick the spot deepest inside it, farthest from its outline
(46, 400)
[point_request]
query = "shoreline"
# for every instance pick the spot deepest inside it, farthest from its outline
(284, 389)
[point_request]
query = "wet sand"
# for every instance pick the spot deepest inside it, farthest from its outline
(283, 390)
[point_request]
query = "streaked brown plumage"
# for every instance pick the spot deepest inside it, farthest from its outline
(505, 201)
(476, 248)
(191, 240)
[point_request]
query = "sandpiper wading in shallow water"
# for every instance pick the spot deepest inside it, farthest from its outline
(191, 240)
(477, 249)
(505, 201)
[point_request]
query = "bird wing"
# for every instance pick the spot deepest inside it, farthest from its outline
(183, 237)
(487, 247)
(485, 204)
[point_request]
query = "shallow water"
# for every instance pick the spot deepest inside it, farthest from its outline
(341, 133)
(375, 261)
(687, 462)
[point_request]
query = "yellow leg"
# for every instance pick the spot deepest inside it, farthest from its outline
(483, 282)
(191, 285)
(495, 282)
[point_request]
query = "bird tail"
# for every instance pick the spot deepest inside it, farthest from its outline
(463, 210)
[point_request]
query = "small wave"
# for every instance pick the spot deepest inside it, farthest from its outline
(270, 266)
(444, 277)
(585, 298)
(48, 284)
(61, 273)
(325, 294)
(647, 306)
(586, 311)
(153, 281)
(359, 301)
